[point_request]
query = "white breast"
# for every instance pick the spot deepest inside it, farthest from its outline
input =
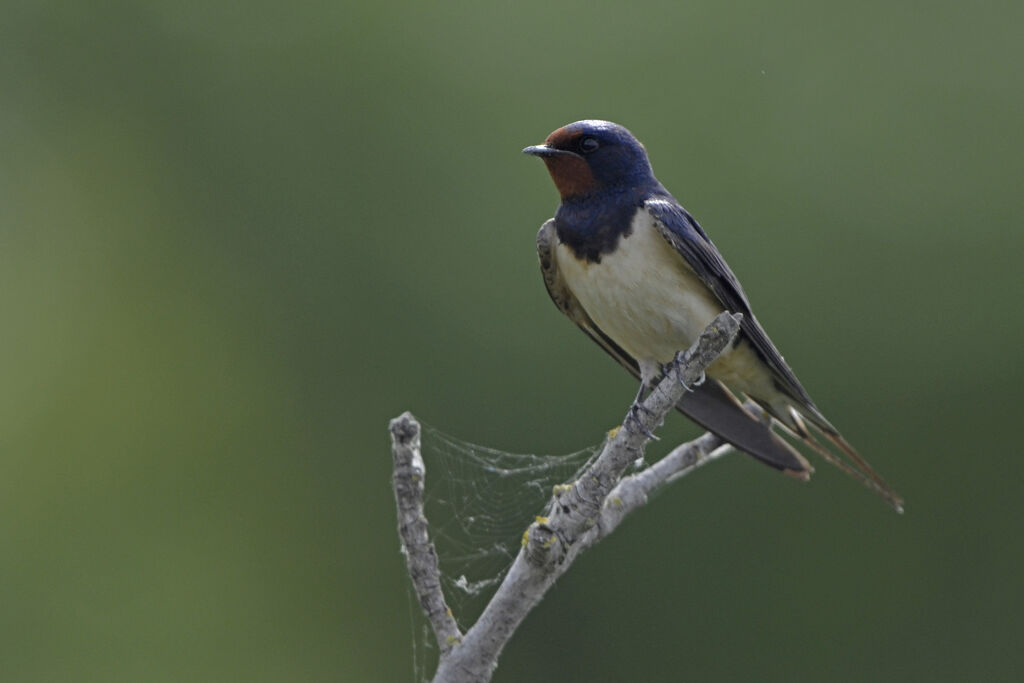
(649, 301)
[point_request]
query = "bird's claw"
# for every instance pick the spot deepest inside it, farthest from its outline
(688, 387)
(634, 417)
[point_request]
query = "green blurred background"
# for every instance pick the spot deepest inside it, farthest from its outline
(237, 238)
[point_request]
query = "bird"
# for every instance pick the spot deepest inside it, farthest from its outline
(634, 270)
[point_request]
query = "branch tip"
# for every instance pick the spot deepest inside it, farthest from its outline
(404, 428)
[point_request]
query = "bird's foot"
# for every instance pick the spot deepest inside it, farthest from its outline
(689, 387)
(634, 417)
(677, 364)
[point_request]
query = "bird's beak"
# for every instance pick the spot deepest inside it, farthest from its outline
(545, 151)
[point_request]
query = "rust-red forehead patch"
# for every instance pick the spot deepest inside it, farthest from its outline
(563, 137)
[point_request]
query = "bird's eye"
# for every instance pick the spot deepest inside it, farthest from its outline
(588, 145)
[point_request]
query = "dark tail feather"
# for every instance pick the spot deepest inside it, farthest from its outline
(713, 407)
(861, 470)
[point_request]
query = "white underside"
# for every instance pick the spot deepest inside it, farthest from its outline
(647, 299)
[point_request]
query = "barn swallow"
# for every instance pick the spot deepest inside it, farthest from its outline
(633, 269)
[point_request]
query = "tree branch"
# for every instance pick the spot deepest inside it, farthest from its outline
(581, 514)
(420, 556)
(633, 491)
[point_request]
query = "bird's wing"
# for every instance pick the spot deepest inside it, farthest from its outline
(684, 234)
(710, 405)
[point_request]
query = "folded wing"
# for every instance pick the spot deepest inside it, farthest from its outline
(710, 405)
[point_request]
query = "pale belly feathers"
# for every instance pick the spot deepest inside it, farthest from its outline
(647, 299)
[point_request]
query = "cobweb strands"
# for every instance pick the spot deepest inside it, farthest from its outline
(479, 500)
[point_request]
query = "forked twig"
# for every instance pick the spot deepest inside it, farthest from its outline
(581, 514)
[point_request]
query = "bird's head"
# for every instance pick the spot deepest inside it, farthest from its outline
(589, 157)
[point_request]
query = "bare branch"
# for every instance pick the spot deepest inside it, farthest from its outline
(633, 491)
(578, 514)
(420, 556)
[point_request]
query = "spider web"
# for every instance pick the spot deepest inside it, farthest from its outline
(479, 501)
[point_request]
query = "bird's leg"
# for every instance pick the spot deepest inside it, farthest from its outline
(637, 408)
